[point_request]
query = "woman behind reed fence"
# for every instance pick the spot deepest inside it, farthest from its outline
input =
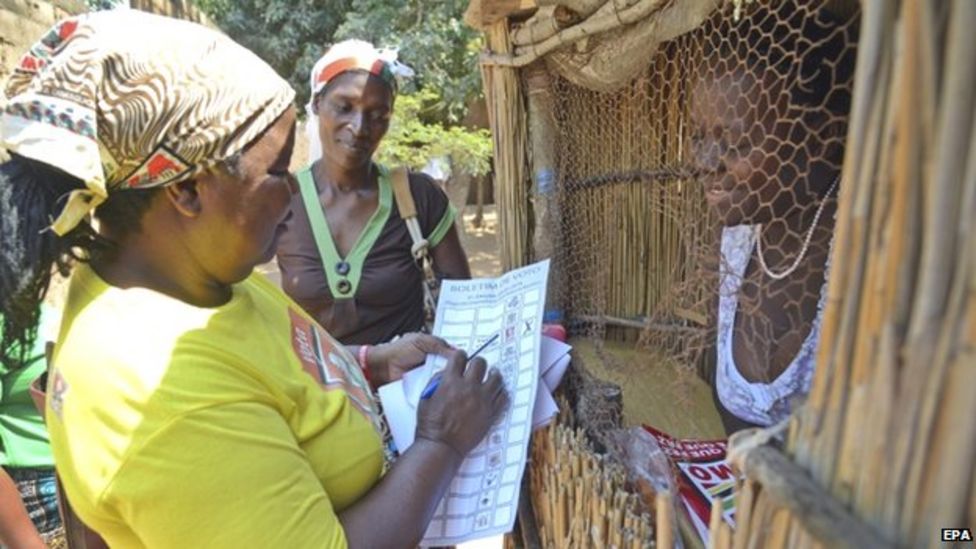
(768, 143)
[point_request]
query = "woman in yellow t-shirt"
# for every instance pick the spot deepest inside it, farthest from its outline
(191, 403)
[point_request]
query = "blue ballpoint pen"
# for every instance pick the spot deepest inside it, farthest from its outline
(436, 381)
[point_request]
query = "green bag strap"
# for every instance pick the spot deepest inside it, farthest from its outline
(343, 275)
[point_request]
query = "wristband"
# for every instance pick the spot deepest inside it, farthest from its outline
(363, 364)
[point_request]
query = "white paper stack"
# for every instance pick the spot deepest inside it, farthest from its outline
(401, 398)
(552, 365)
(483, 498)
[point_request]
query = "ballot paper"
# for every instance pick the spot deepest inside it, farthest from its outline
(553, 362)
(400, 398)
(482, 499)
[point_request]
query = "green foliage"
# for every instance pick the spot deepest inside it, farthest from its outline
(432, 38)
(289, 34)
(97, 5)
(411, 142)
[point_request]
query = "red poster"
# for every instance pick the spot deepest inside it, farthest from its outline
(703, 476)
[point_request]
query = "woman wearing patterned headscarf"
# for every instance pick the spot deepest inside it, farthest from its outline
(190, 403)
(346, 254)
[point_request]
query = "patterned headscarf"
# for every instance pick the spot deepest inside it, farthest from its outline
(349, 55)
(123, 99)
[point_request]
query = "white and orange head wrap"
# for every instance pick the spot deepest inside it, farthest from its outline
(349, 55)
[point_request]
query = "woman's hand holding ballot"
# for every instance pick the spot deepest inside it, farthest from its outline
(464, 406)
(388, 362)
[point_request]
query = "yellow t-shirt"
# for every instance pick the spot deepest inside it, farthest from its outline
(244, 425)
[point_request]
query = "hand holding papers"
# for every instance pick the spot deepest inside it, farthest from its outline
(483, 497)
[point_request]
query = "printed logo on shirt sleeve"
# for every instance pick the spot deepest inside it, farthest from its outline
(322, 359)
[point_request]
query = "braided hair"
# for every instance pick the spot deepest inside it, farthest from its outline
(32, 193)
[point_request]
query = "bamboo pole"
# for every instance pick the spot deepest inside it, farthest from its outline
(907, 178)
(580, 500)
(875, 19)
(665, 520)
(715, 521)
(846, 285)
(724, 540)
(544, 145)
(507, 118)
(818, 512)
(955, 453)
(905, 171)
(833, 427)
(944, 195)
(951, 454)
(793, 534)
(803, 539)
(743, 513)
(780, 528)
(762, 512)
(870, 314)
(948, 166)
(877, 435)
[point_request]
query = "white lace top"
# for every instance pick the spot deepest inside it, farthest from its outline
(760, 403)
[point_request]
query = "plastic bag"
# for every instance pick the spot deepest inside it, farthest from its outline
(649, 472)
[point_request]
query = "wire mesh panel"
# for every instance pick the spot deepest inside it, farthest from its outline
(697, 203)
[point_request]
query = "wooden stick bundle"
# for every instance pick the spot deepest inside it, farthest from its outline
(580, 500)
(507, 116)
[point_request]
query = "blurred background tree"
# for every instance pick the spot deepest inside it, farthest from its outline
(288, 34)
(413, 143)
(95, 5)
(432, 38)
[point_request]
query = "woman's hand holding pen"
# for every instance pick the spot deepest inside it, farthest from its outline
(464, 406)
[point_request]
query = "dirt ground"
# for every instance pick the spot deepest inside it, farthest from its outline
(481, 244)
